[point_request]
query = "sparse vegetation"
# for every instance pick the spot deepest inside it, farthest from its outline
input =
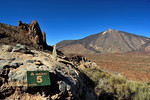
(117, 88)
(133, 66)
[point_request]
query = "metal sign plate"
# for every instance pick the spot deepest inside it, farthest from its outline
(38, 78)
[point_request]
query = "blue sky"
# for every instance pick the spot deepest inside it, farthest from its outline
(76, 19)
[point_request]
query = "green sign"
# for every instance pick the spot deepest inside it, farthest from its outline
(38, 78)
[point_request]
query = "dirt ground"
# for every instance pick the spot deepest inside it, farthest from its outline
(133, 66)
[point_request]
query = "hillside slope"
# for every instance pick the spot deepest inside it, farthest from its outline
(145, 47)
(26, 34)
(110, 41)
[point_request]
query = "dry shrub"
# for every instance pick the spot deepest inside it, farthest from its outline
(118, 87)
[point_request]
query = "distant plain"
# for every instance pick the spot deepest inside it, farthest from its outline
(133, 66)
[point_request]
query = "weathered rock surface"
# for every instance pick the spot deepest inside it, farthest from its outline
(67, 82)
(34, 33)
(26, 34)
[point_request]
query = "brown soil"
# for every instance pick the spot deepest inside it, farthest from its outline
(133, 66)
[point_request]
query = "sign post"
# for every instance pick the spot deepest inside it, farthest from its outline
(38, 78)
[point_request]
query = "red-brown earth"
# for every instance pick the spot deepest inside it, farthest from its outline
(133, 66)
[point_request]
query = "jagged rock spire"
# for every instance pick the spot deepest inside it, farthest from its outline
(34, 34)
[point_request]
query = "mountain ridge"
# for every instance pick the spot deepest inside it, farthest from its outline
(109, 41)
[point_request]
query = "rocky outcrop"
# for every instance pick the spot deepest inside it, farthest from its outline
(34, 33)
(25, 34)
(67, 82)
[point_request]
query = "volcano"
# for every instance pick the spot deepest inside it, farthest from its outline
(109, 41)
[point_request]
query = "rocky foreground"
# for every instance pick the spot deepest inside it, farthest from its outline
(67, 82)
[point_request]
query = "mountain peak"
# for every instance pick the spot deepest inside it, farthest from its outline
(109, 41)
(110, 29)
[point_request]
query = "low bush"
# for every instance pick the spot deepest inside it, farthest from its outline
(117, 87)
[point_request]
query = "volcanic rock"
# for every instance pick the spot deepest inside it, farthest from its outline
(34, 33)
(67, 82)
(25, 34)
